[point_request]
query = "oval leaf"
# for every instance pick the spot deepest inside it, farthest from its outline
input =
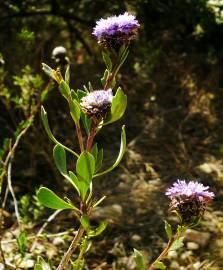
(168, 230)
(85, 166)
(74, 181)
(75, 110)
(49, 199)
(118, 107)
(59, 156)
(81, 186)
(64, 89)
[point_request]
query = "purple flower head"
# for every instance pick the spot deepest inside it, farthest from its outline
(97, 103)
(189, 200)
(121, 28)
(190, 189)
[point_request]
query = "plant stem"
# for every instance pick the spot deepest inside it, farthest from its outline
(114, 71)
(165, 251)
(91, 138)
(80, 137)
(70, 251)
(80, 256)
(13, 194)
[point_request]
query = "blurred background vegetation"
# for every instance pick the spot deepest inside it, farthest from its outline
(174, 81)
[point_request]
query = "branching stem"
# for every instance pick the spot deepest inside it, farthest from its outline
(72, 248)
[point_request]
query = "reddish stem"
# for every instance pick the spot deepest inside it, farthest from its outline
(90, 139)
(80, 137)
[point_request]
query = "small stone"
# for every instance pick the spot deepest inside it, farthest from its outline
(29, 263)
(185, 255)
(197, 265)
(174, 265)
(201, 238)
(192, 246)
(172, 254)
(58, 241)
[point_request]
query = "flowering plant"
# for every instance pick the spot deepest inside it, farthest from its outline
(188, 201)
(90, 110)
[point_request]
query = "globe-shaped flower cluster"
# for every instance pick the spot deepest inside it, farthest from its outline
(116, 30)
(189, 199)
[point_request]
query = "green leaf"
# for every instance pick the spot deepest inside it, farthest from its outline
(86, 122)
(49, 199)
(138, 258)
(178, 243)
(50, 72)
(107, 60)
(123, 54)
(84, 220)
(181, 229)
(159, 265)
(99, 160)
(118, 107)
(121, 50)
(102, 226)
(59, 156)
(64, 89)
(46, 124)
(90, 87)
(50, 134)
(67, 75)
(38, 267)
(168, 230)
(22, 241)
(80, 94)
(41, 264)
(105, 77)
(120, 156)
(83, 187)
(75, 110)
(73, 95)
(94, 151)
(74, 181)
(85, 166)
